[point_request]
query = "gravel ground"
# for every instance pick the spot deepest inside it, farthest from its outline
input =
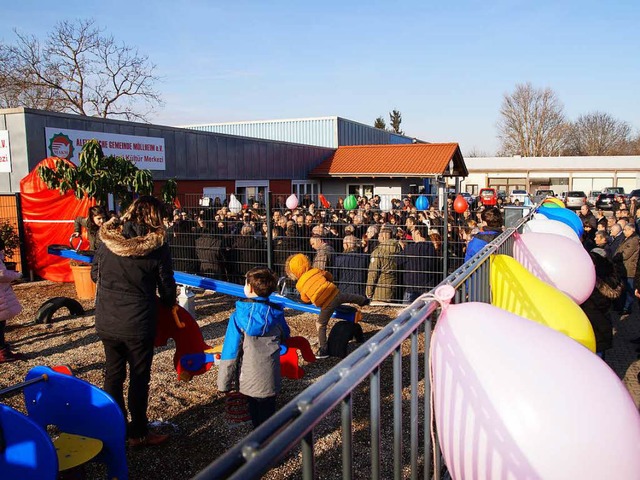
(194, 412)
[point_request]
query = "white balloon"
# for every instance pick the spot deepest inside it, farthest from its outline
(385, 204)
(551, 226)
(234, 205)
(516, 399)
(558, 261)
(292, 202)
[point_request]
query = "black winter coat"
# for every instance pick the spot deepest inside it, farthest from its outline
(608, 288)
(246, 253)
(128, 271)
(418, 264)
(210, 253)
(350, 272)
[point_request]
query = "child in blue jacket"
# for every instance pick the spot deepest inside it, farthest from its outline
(250, 359)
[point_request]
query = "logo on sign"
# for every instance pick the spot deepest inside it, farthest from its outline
(61, 146)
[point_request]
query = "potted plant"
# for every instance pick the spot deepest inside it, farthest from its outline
(97, 176)
(9, 234)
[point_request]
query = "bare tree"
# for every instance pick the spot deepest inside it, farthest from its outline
(380, 124)
(598, 133)
(532, 123)
(476, 152)
(78, 69)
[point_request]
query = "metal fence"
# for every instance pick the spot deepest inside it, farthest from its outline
(364, 374)
(222, 241)
(12, 231)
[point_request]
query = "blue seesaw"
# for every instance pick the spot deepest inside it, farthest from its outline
(91, 425)
(344, 312)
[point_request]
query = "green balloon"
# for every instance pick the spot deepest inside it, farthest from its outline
(350, 202)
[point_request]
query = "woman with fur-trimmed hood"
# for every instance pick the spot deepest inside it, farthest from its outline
(132, 262)
(607, 289)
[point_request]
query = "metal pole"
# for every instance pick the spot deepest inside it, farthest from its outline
(5, 392)
(347, 438)
(397, 413)
(445, 237)
(414, 405)
(374, 394)
(308, 461)
(267, 201)
(427, 401)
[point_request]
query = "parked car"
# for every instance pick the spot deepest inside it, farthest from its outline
(575, 199)
(544, 194)
(487, 197)
(593, 196)
(618, 192)
(469, 198)
(605, 201)
(635, 194)
(518, 195)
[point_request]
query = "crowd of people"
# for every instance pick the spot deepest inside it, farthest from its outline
(614, 246)
(333, 256)
(389, 256)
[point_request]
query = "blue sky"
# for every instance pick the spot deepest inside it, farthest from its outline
(445, 67)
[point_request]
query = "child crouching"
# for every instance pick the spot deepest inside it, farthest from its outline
(316, 286)
(250, 359)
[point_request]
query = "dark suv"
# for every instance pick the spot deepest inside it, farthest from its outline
(635, 194)
(605, 201)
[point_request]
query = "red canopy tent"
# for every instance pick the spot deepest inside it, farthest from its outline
(48, 220)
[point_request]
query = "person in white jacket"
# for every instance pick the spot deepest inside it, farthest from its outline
(9, 306)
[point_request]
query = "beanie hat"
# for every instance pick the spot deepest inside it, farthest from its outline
(296, 265)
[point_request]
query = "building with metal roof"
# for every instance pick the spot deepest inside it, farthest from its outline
(560, 174)
(330, 132)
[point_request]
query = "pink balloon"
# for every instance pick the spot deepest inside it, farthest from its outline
(515, 399)
(292, 202)
(558, 261)
(551, 226)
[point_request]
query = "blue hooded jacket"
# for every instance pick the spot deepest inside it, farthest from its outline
(250, 358)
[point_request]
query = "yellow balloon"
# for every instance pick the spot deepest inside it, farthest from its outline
(518, 291)
(557, 201)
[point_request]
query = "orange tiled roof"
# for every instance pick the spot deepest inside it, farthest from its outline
(416, 159)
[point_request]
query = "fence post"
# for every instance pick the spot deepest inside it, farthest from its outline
(267, 206)
(445, 236)
(21, 234)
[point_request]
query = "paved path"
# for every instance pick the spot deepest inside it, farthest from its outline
(623, 358)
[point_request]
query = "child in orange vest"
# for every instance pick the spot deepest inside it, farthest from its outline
(316, 286)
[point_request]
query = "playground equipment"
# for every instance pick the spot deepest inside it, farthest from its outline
(91, 424)
(51, 306)
(220, 286)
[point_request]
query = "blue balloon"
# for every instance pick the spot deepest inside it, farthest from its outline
(565, 216)
(422, 203)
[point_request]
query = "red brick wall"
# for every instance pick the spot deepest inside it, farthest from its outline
(280, 186)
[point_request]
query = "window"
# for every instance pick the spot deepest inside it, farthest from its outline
(360, 189)
(249, 191)
(302, 188)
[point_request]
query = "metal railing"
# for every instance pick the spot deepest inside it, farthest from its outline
(217, 243)
(294, 424)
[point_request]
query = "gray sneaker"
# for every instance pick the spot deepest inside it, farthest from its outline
(322, 353)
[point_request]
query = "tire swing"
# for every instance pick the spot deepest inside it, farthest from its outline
(51, 306)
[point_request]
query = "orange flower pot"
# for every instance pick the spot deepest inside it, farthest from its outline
(85, 287)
